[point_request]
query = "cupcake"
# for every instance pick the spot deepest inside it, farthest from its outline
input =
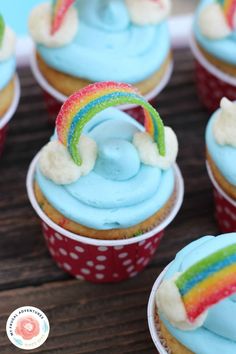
(214, 46)
(221, 162)
(191, 307)
(101, 40)
(9, 85)
(115, 185)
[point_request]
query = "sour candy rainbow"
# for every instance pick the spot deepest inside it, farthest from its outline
(208, 281)
(229, 8)
(59, 9)
(2, 29)
(83, 105)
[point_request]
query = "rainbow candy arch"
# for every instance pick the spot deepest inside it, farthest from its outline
(208, 281)
(229, 8)
(2, 29)
(59, 10)
(83, 105)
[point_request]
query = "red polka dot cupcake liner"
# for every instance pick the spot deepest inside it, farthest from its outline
(4, 121)
(54, 99)
(101, 261)
(212, 84)
(225, 207)
(151, 315)
(3, 134)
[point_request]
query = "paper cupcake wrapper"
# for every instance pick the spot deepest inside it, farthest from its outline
(151, 316)
(54, 99)
(101, 260)
(9, 114)
(225, 207)
(212, 84)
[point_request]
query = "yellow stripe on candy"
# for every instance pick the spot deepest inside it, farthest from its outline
(199, 295)
(75, 106)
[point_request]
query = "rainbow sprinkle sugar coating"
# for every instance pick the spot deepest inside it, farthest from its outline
(208, 281)
(83, 105)
(59, 10)
(2, 29)
(229, 8)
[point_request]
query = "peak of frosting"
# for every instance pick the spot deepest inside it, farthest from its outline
(106, 14)
(224, 128)
(117, 160)
(148, 12)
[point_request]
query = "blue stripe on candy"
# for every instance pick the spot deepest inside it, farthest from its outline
(206, 273)
(91, 105)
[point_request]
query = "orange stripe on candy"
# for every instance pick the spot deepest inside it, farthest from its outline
(205, 294)
(79, 100)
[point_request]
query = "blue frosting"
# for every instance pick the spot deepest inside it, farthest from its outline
(7, 70)
(111, 163)
(17, 19)
(224, 156)
(105, 201)
(218, 333)
(223, 49)
(109, 47)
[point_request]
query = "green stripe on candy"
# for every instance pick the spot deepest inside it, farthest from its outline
(2, 29)
(204, 264)
(113, 101)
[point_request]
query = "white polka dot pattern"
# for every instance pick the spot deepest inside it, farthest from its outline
(99, 263)
(211, 89)
(225, 213)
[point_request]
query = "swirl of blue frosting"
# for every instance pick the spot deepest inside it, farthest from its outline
(222, 155)
(223, 49)
(7, 69)
(218, 333)
(120, 191)
(108, 46)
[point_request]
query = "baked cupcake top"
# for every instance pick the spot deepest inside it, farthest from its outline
(221, 139)
(207, 267)
(215, 29)
(7, 56)
(115, 174)
(103, 40)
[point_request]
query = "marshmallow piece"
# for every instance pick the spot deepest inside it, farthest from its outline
(40, 22)
(148, 150)
(213, 23)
